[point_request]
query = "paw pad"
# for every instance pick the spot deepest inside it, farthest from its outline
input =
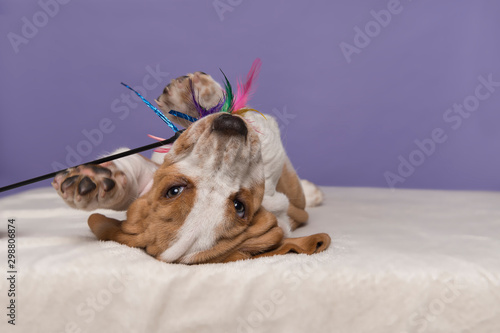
(91, 186)
(86, 186)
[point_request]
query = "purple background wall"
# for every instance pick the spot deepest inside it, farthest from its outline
(347, 119)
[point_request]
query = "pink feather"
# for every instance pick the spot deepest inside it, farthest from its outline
(155, 137)
(245, 91)
(165, 149)
(162, 150)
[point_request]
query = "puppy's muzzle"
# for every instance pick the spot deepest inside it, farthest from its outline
(230, 125)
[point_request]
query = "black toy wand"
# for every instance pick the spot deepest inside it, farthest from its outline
(112, 157)
(99, 161)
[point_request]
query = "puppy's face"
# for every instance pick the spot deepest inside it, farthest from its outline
(205, 202)
(210, 187)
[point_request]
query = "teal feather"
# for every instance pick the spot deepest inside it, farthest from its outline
(229, 101)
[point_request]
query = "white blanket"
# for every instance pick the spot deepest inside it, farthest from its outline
(400, 261)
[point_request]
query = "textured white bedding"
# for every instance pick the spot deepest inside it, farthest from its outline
(400, 261)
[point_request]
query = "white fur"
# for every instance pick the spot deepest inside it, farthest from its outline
(138, 170)
(198, 231)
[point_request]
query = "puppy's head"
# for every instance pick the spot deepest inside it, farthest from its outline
(205, 202)
(211, 184)
(206, 197)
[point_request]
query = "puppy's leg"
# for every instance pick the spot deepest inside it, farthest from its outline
(177, 96)
(283, 192)
(113, 185)
(290, 185)
(281, 178)
(273, 159)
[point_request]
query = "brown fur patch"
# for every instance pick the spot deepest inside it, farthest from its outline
(289, 184)
(152, 220)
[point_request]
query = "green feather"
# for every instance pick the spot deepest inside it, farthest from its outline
(228, 103)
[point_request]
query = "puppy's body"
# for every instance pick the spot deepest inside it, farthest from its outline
(190, 215)
(225, 191)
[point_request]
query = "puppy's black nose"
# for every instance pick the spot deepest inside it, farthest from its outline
(230, 125)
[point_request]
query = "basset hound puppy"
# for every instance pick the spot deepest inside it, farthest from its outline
(225, 191)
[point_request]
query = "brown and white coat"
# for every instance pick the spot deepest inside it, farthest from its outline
(225, 191)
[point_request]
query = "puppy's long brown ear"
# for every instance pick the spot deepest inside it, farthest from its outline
(310, 244)
(106, 228)
(103, 227)
(130, 232)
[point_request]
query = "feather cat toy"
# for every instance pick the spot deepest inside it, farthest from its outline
(230, 103)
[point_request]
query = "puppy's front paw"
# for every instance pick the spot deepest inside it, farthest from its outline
(177, 95)
(89, 187)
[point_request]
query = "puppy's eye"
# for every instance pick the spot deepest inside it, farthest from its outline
(240, 208)
(174, 191)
